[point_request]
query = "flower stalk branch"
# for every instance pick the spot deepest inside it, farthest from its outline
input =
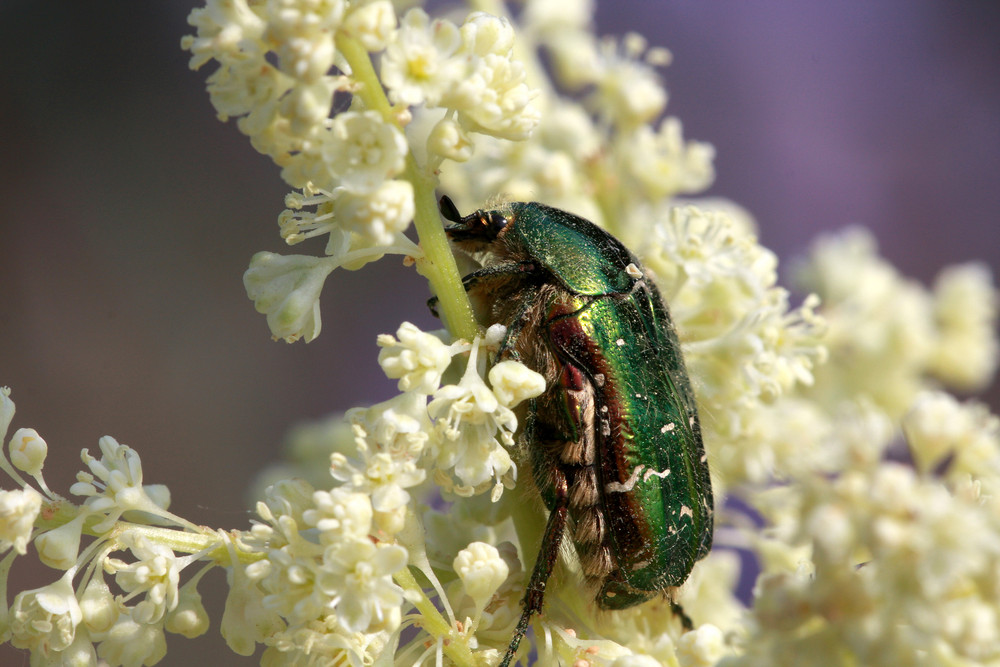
(437, 262)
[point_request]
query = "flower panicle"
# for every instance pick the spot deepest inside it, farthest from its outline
(285, 70)
(120, 527)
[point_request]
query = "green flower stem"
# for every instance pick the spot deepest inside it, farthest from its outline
(211, 542)
(438, 263)
(432, 621)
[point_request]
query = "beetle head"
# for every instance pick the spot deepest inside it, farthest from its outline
(474, 232)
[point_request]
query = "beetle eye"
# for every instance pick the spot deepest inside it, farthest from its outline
(495, 221)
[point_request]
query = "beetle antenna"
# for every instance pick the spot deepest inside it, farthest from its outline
(449, 210)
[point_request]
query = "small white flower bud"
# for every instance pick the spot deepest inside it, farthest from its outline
(392, 521)
(159, 494)
(132, 643)
(484, 34)
(59, 547)
(245, 620)
(380, 215)
(494, 335)
(481, 570)
(514, 382)
(307, 106)
(287, 290)
(98, 605)
(372, 24)
(28, 451)
(6, 410)
(189, 618)
(450, 141)
(702, 647)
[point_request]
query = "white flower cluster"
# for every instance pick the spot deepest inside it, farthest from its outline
(327, 582)
(885, 562)
(888, 335)
(744, 345)
(772, 409)
(282, 65)
(63, 623)
(597, 154)
(864, 557)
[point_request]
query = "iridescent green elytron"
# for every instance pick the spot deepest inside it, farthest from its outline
(614, 443)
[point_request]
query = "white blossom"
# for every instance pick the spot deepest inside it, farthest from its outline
(380, 215)
(881, 332)
(100, 611)
(359, 577)
(246, 620)
(155, 573)
(130, 642)
(225, 28)
(663, 164)
(965, 312)
(362, 150)
(494, 99)
(963, 439)
(371, 23)
(287, 289)
(340, 514)
(18, 511)
(471, 431)
(627, 92)
(420, 63)
(384, 477)
(399, 426)
(702, 647)
(449, 141)
(45, 619)
(114, 484)
(416, 358)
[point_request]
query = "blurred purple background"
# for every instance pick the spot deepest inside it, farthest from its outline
(129, 213)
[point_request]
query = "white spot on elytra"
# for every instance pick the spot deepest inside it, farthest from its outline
(686, 511)
(667, 428)
(620, 342)
(618, 487)
(653, 473)
(633, 271)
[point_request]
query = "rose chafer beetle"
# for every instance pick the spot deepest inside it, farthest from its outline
(614, 444)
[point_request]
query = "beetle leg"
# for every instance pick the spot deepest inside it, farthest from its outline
(547, 556)
(678, 611)
(487, 278)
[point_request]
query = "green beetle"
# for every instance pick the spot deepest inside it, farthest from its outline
(614, 443)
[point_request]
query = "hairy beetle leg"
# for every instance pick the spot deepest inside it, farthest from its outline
(484, 279)
(548, 554)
